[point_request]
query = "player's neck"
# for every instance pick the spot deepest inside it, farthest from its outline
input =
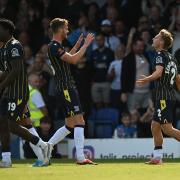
(160, 49)
(57, 38)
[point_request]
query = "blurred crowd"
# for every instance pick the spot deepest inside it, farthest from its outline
(106, 75)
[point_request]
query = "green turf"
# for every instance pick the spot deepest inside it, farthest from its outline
(106, 170)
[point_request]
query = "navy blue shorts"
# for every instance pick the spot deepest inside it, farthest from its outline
(14, 109)
(70, 103)
(164, 110)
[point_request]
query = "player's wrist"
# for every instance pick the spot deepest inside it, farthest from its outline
(75, 48)
(85, 45)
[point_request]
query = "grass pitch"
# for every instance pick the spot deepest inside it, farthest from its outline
(106, 170)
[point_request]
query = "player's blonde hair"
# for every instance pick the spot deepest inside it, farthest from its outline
(57, 23)
(167, 38)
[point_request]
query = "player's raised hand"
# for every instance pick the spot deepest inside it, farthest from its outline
(89, 39)
(142, 81)
(79, 41)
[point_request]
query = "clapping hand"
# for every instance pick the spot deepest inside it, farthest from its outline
(89, 39)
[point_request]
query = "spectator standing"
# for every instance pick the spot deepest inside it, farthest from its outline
(114, 75)
(36, 103)
(134, 65)
(111, 41)
(100, 61)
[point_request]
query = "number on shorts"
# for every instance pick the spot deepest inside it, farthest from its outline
(11, 106)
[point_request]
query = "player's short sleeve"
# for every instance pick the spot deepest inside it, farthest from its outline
(15, 51)
(159, 60)
(57, 50)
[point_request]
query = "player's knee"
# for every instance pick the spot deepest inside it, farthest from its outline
(80, 121)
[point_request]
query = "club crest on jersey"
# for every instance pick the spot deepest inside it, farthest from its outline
(15, 52)
(159, 60)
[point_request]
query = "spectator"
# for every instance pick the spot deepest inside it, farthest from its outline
(45, 133)
(39, 66)
(83, 27)
(143, 24)
(147, 4)
(125, 130)
(149, 50)
(112, 14)
(46, 36)
(73, 9)
(110, 4)
(120, 31)
(45, 73)
(100, 60)
(174, 27)
(134, 65)
(146, 37)
(94, 16)
(130, 11)
(28, 56)
(156, 17)
(44, 51)
(24, 38)
(111, 41)
(36, 103)
(114, 75)
(22, 25)
(6, 11)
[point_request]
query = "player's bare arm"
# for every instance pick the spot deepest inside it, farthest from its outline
(11, 76)
(77, 45)
(155, 75)
(73, 59)
(178, 82)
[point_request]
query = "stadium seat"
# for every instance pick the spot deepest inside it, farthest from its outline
(104, 130)
(104, 122)
(108, 114)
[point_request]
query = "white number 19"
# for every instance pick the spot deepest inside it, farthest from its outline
(11, 106)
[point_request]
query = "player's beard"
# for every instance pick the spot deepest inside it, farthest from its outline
(64, 35)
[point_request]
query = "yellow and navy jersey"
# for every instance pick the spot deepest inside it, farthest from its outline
(63, 76)
(13, 51)
(165, 85)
